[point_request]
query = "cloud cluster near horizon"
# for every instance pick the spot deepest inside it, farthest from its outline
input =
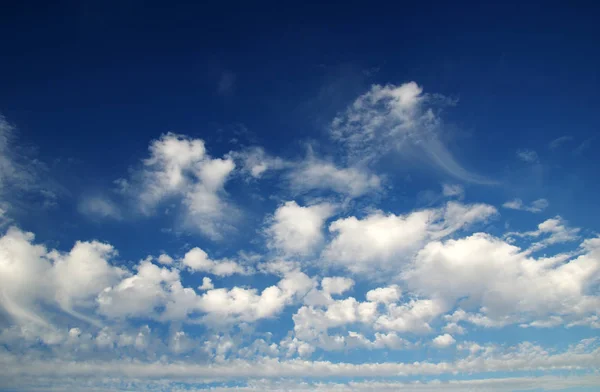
(329, 272)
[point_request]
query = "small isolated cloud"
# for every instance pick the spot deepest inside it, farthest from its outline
(99, 207)
(443, 341)
(538, 205)
(453, 190)
(526, 155)
(226, 84)
(559, 141)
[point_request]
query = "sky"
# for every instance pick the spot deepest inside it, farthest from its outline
(299, 197)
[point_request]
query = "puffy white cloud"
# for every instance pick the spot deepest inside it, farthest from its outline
(385, 295)
(443, 341)
(179, 167)
(538, 205)
(165, 259)
(382, 242)
(139, 295)
(336, 285)
(503, 282)
(207, 284)
(413, 316)
(298, 230)
(197, 260)
(31, 276)
(83, 272)
(227, 306)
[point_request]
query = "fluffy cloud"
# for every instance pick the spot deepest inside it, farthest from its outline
(502, 282)
(197, 260)
(32, 276)
(384, 295)
(179, 167)
(297, 230)
(443, 341)
(381, 242)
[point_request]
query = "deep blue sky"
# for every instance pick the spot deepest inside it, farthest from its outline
(94, 81)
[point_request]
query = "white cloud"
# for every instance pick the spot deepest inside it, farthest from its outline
(22, 176)
(179, 167)
(31, 276)
(528, 156)
(555, 229)
(228, 306)
(453, 190)
(336, 285)
(381, 242)
(99, 207)
(297, 230)
(139, 295)
(502, 281)
(554, 144)
(255, 162)
(521, 358)
(197, 260)
(316, 174)
(538, 205)
(396, 118)
(165, 259)
(443, 341)
(384, 295)
(207, 284)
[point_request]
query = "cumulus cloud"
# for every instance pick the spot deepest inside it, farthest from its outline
(197, 260)
(298, 230)
(381, 242)
(443, 341)
(502, 283)
(179, 168)
(31, 276)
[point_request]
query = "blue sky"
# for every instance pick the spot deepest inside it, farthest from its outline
(299, 197)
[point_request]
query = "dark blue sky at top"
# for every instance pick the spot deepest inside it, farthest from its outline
(91, 83)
